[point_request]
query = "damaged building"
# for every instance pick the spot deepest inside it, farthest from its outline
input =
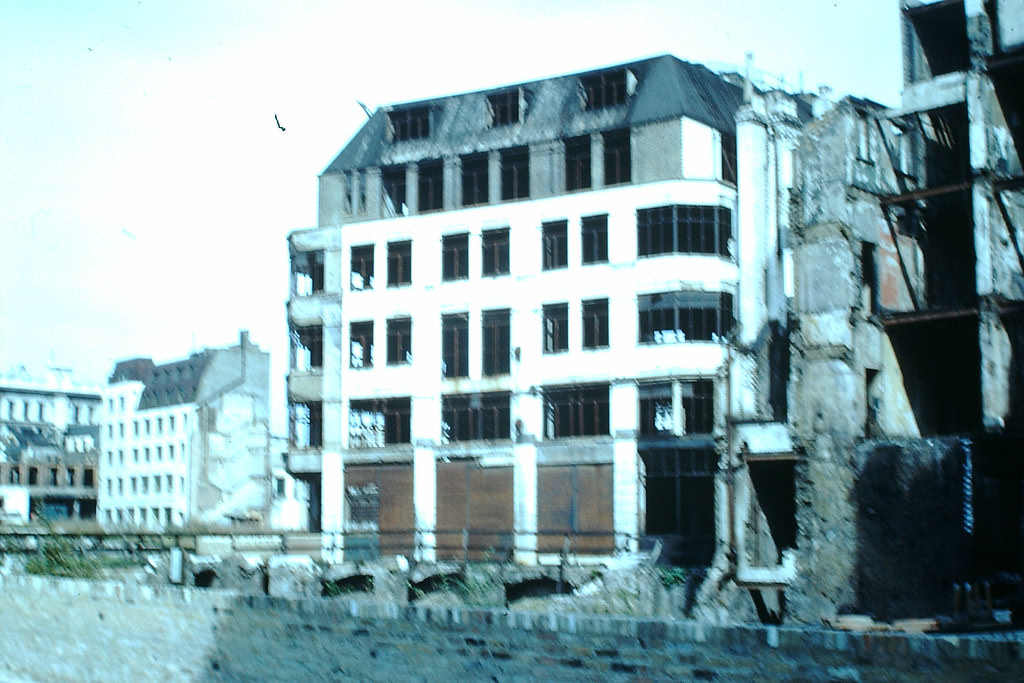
(776, 336)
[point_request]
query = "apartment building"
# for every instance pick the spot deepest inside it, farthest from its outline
(187, 440)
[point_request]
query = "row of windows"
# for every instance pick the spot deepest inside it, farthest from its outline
(54, 476)
(149, 427)
(143, 516)
(667, 409)
(38, 412)
(161, 483)
(147, 454)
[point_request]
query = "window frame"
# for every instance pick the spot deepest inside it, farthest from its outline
(361, 264)
(400, 263)
(361, 330)
(455, 345)
(555, 241)
(475, 179)
(430, 185)
(555, 328)
(618, 156)
(455, 257)
(515, 173)
(577, 410)
(579, 173)
(497, 342)
(594, 238)
(399, 340)
(495, 247)
(476, 417)
(594, 313)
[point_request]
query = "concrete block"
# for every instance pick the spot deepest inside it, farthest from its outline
(292, 576)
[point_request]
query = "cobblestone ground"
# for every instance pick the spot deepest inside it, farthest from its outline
(74, 631)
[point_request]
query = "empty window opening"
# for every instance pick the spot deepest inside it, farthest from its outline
(455, 257)
(515, 173)
(594, 231)
(399, 263)
(555, 237)
(431, 178)
(379, 422)
(393, 186)
(455, 345)
(676, 317)
(580, 410)
(680, 503)
(729, 158)
(307, 348)
(606, 89)
(360, 583)
(868, 278)
(205, 578)
(361, 344)
(399, 341)
(556, 328)
(361, 268)
(53, 476)
(505, 107)
(617, 158)
(495, 248)
(577, 163)
(946, 146)
(475, 186)
(496, 342)
(33, 476)
(683, 230)
(89, 477)
(678, 408)
(409, 124)
(595, 323)
(69, 477)
(938, 37)
(475, 416)
(306, 424)
(307, 273)
(536, 588)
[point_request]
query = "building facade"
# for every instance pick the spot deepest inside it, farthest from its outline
(187, 441)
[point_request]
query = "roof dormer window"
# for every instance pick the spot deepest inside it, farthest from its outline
(607, 89)
(409, 124)
(506, 107)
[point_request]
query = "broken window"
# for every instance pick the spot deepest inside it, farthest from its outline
(393, 183)
(399, 341)
(676, 408)
(617, 158)
(307, 347)
(657, 414)
(606, 89)
(455, 257)
(595, 323)
(362, 268)
(676, 317)
(729, 158)
(580, 410)
(361, 344)
(515, 173)
(475, 416)
(455, 345)
(555, 236)
(374, 423)
(409, 124)
(474, 179)
(399, 263)
(363, 504)
(307, 273)
(577, 163)
(505, 107)
(495, 252)
(306, 424)
(595, 238)
(431, 195)
(556, 328)
(496, 341)
(681, 229)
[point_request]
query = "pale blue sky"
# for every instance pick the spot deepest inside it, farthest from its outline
(146, 192)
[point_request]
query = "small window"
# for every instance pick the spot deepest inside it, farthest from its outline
(496, 342)
(307, 277)
(69, 477)
(455, 345)
(595, 239)
(399, 263)
(555, 235)
(170, 423)
(475, 186)
(579, 410)
(729, 158)
(595, 323)
(556, 328)
(607, 89)
(399, 341)
(475, 416)
(392, 180)
(306, 424)
(577, 163)
(617, 158)
(455, 257)
(431, 178)
(504, 107)
(362, 268)
(88, 477)
(410, 124)
(307, 348)
(361, 344)
(495, 252)
(515, 173)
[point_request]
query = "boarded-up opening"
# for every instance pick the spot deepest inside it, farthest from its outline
(388, 529)
(474, 511)
(575, 501)
(680, 490)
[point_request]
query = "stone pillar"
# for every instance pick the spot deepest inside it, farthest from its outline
(596, 161)
(424, 493)
(373, 193)
(332, 507)
(494, 177)
(524, 493)
(412, 190)
(452, 183)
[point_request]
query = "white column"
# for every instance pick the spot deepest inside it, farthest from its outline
(424, 493)
(332, 506)
(524, 490)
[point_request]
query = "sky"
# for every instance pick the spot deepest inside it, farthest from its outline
(146, 190)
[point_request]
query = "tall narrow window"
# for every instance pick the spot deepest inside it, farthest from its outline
(580, 410)
(496, 342)
(504, 107)
(515, 173)
(307, 273)
(617, 158)
(431, 195)
(455, 345)
(399, 263)
(495, 252)
(595, 323)
(474, 179)
(362, 267)
(307, 424)
(577, 163)
(307, 347)
(361, 344)
(729, 158)
(556, 328)
(595, 238)
(399, 346)
(555, 236)
(393, 183)
(455, 257)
